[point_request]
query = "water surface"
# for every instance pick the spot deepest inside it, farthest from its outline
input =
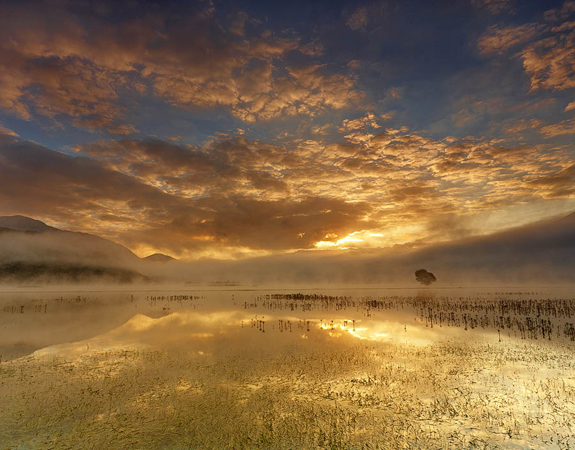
(288, 368)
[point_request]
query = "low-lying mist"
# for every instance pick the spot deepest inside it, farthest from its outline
(542, 253)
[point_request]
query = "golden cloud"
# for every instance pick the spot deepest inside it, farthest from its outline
(81, 68)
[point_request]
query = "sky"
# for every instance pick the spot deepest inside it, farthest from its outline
(215, 129)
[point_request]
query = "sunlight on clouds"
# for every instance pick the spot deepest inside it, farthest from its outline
(331, 160)
(341, 243)
(236, 197)
(394, 235)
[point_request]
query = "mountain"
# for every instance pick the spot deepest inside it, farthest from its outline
(38, 242)
(159, 258)
(22, 223)
(31, 249)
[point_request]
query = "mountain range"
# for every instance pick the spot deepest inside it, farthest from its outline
(30, 250)
(542, 252)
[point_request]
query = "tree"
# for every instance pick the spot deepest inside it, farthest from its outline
(425, 277)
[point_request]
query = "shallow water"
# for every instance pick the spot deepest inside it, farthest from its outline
(288, 368)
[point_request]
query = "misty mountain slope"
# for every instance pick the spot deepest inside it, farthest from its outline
(23, 223)
(38, 242)
(33, 251)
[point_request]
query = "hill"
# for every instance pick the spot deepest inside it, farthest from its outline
(22, 223)
(159, 258)
(31, 249)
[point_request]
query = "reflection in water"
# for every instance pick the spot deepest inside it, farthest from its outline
(246, 369)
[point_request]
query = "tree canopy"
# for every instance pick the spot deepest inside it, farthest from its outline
(425, 277)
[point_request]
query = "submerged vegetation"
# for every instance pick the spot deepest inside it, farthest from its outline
(525, 318)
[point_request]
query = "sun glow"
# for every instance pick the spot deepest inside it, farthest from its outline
(379, 238)
(341, 243)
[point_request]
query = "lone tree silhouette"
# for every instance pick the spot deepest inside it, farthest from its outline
(425, 277)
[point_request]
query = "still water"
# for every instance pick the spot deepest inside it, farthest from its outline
(288, 368)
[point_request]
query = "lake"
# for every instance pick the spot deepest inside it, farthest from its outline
(288, 368)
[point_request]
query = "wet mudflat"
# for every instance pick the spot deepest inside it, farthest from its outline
(280, 369)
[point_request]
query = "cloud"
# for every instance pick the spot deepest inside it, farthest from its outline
(50, 182)
(304, 90)
(559, 184)
(495, 6)
(358, 19)
(550, 62)
(47, 72)
(523, 125)
(7, 132)
(238, 196)
(362, 16)
(83, 68)
(269, 225)
(499, 40)
(547, 48)
(559, 129)
(369, 120)
(562, 13)
(313, 48)
(180, 198)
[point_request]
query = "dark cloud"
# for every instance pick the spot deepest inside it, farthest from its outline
(261, 225)
(239, 195)
(76, 189)
(48, 179)
(495, 6)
